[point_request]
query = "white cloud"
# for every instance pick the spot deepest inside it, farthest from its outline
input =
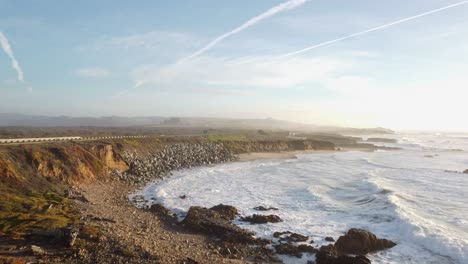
(93, 72)
(218, 72)
(158, 41)
(4, 43)
(381, 27)
(288, 5)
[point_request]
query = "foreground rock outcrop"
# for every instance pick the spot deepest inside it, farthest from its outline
(216, 223)
(290, 237)
(262, 219)
(325, 258)
(292, 250)
(361, 242)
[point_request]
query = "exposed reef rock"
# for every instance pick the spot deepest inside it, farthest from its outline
(263, 208)
(329, 255)
(162, 212)
(361, 242)
(228, 212)
(262, 219)
(290, 237)
(215, 223)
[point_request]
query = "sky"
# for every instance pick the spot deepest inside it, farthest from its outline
(400, 64)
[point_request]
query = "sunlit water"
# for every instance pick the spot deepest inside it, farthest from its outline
(416, 196)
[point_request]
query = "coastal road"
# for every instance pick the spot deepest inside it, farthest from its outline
(8, 141)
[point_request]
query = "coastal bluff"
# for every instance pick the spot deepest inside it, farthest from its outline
(85, 185)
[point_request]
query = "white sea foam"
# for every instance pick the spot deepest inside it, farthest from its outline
(418, 201)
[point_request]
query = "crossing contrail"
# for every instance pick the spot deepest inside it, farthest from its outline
(9, 52)
(370, 30)
(291, 4)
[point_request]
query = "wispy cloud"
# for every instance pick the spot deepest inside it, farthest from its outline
(214, 73)
(372, 29)
(93, 72)
(291, 4)
(5, 44)
(146, 41)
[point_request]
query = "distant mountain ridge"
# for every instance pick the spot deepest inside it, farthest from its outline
(21, 120)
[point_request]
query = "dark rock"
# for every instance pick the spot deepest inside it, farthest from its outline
(183, 196)
(329, 239)
(227, 211)
(292, 250)
(290, 237)
(307, 248)
(361, 242)
(162, 212)
(466, 171)
(329, 249)
(262, 219)
(213, 223)
(262, 208)
(323, 257)
(65, 235)
(288, 249)
(69, 235)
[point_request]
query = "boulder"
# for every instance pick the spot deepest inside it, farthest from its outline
(307, 248)
(262, 219)
(211, 222)
(329, 255)
(162, 212)
(290, 237)
(329, 239)
(324, 258)
(361, 242)
(227, 211)
(288, 249)
(466, 171)
(262, 208)
(292, 250)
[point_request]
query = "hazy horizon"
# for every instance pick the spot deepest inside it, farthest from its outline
(399, 65)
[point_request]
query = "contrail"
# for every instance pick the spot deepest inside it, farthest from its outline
(370, 30)
(291, 4)
(9, 52)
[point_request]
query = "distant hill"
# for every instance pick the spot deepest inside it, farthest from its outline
(20, 120)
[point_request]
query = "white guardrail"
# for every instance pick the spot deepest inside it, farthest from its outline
(32, 140)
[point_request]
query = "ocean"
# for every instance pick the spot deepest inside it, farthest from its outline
(416, 196)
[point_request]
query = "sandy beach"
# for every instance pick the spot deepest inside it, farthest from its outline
(279, 155)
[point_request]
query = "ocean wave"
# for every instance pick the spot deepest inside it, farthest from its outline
(426, 233)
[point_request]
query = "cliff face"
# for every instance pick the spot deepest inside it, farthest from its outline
(85, 162)
(67, 162)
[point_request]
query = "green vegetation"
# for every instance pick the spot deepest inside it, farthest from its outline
(23, 211)
(221, 138)
(132, 142)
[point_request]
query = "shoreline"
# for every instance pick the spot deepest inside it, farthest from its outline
(280, 155)
(292, 154)
(111, 228)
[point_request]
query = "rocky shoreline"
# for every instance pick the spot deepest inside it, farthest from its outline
(110, 229)
(216, 222)
(172, 157)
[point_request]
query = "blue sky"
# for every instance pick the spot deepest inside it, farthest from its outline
(95, 58)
